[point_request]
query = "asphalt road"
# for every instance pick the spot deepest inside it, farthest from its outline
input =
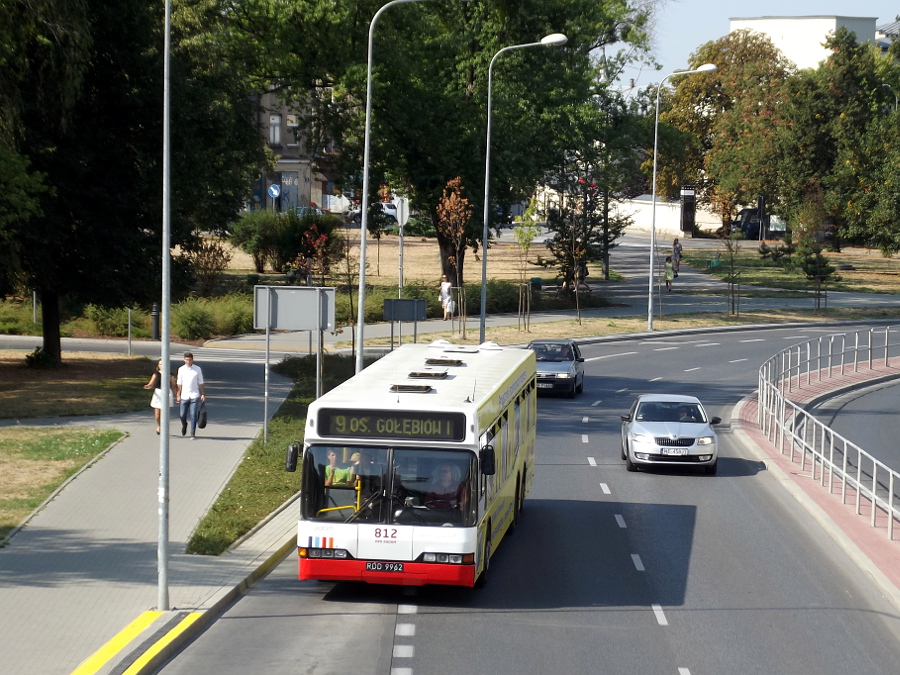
(652, 572)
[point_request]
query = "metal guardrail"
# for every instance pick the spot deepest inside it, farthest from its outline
(830, 457)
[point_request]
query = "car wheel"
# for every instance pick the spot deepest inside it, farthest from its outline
(580, 387)
(629, 465)
(571, 392)
(623, 450)
(711, 469)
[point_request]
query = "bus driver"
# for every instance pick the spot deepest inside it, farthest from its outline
(446, 490)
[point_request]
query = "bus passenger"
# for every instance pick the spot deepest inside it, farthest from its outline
(335, 474)
(446, 490)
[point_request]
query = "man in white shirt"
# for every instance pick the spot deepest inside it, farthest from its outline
(191, 392)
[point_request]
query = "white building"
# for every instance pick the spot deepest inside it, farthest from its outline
(801, 38)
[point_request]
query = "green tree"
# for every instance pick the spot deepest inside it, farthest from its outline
(98, 148)
(726, 144)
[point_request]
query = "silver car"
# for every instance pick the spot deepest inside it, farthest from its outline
(667, 429)
(560, 366)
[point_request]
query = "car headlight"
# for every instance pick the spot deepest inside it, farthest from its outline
(705, 440)
(564, 375)
(643, 438)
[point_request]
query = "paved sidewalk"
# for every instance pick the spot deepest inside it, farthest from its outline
(85, 566)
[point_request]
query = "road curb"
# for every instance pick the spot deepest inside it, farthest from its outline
(808, 502)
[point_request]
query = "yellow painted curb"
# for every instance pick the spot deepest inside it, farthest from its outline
(161, 644)
(100, 657)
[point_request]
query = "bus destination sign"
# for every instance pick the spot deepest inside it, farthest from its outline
(397, 424)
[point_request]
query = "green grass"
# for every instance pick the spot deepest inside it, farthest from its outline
(35, 462)
(260, 483)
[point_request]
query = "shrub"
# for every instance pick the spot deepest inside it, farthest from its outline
(193, 320)
(233, 315)
(39, 359)
(113, 322)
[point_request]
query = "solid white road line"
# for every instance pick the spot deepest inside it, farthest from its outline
(660, 617)
(621, 521)
(636, 559)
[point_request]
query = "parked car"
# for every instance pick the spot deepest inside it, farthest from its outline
(384, 209)
(560, 366)
(308, 211)
(669, 429)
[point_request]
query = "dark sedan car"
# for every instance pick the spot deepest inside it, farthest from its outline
(560, 366)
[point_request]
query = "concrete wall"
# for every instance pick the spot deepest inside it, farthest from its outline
(668, 217)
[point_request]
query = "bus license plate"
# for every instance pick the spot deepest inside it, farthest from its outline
(384, 567)
(674, 451)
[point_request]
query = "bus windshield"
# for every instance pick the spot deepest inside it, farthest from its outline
(412, 486)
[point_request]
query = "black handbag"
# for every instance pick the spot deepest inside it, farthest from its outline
(202, 421)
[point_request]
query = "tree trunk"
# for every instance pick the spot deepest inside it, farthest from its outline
(448, 251)
(50, 317)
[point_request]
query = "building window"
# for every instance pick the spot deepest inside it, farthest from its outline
(274, 129)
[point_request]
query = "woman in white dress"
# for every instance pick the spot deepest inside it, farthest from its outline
(446, 298)
(155, 384)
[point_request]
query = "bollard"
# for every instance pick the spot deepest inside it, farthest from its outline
(154, 321)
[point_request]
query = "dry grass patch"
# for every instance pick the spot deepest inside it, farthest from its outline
(88, 383)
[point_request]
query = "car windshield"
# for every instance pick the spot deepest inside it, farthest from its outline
(552, 352)
(416, 486)
(669, 411)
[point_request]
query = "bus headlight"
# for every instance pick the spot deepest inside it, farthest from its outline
(449, 558)
(339, 553)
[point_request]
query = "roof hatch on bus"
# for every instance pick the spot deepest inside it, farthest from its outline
(429, 374)
(412, 388)
(443, 361)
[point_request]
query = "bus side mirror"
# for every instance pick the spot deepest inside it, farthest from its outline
(293, 454)
(487, 461)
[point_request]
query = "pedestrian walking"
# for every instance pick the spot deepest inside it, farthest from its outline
(156, 384)
(446, 297)
(670, 272)
(676, 255)
(191, 393)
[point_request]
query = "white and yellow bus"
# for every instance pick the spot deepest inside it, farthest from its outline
(414, 469)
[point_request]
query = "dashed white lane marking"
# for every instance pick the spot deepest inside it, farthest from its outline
(621, 521)
(404, 651)
(664, 349)
(753, 340)
(596, 403)
(656, 379)
(684, 671)
(592, 461)
(708, 344)
(585, 420)
(636, 559)
(605, 488)
(401, 671)
(584, 438)
(736, 360)
(610, 356)
(405, 629)
(660, 617)
(407, 609)
(688, 370)
(795, 337)
(619, 391)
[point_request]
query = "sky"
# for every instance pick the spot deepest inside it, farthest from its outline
(683, 25)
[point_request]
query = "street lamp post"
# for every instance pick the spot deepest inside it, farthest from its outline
(555, 39)
(364, 203)
(705, 68)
